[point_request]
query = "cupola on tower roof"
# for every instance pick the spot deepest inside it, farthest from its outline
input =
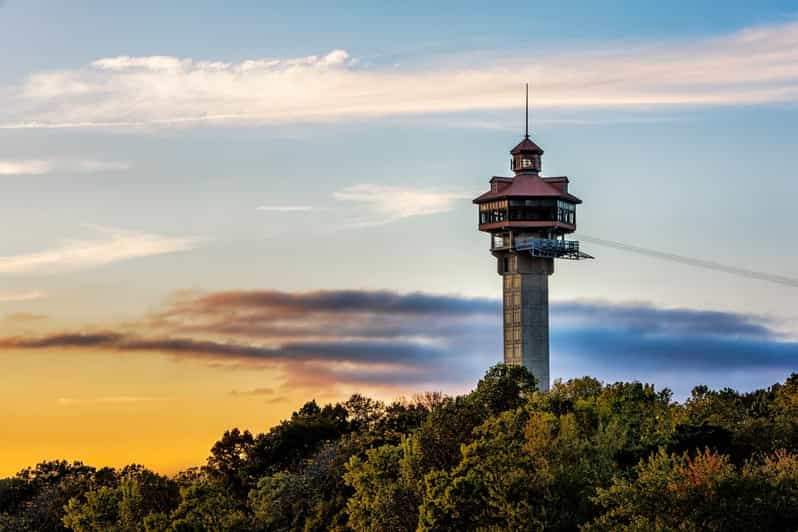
(526, 146)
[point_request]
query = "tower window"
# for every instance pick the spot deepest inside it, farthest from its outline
(526, 163)
(566, 212)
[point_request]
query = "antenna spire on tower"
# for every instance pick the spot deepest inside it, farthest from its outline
(526, 123)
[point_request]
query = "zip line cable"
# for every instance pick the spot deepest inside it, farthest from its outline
(690, 261)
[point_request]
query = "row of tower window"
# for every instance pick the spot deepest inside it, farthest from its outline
(532, 210)
(512, 318)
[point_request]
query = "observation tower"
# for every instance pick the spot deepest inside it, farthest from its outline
(528, 217)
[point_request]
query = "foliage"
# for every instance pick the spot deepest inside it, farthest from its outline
(384, 498)
(208, 506)
(584, 455)
(125, 507)
(702, 492)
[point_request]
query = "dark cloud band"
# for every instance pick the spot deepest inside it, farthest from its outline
(405, 339)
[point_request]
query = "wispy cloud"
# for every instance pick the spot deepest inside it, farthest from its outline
(754, 66)
(390, 203)
(285, 208)
(15, 297)
(252, 393)
(116, 245)
(24, 167)
(94, 165)
(381, 204)
(112, 400)
(19, 317)
(415, 341)
(40, 167)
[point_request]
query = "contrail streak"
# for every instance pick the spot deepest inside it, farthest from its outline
(690, 261)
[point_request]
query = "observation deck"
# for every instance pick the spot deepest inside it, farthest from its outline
(545, 248)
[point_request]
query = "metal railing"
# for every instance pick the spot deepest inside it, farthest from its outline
(550, 248)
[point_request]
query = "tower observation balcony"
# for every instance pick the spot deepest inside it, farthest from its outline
(549, 248)
(544, 248)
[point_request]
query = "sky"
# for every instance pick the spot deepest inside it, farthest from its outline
(213, 213)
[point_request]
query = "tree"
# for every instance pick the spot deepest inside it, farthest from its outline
(702, 492)
(646, 416)
(504, 387)
(384, 498)
(362, 412)
(436, 443)
(43, 491)
(784, 411)
(313, 498)
(99, 512)
(206, 506)
(139, 493)
(525, 470)
(495, 487)
(285, 446)
(228, 462)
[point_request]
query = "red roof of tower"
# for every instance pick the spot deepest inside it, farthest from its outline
(526, 146)
(527, 185)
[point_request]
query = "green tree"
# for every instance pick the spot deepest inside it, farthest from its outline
(496, 486)
(784, 411)
(436, 443)
(98, 513)
(384, 499)
(287, 445)
(525, 470)
(43, 491)
(207, 506)
(228, 462)
(139, 493)
(504, 387)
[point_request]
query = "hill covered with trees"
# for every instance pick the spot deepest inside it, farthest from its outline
(583, 456)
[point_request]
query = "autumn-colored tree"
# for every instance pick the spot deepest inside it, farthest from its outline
(702, 492)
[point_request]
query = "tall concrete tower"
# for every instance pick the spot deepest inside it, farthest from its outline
(528, 216)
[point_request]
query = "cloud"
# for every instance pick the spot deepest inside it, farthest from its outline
(16, 297)
(112, 400)
(24, 317)
(390, 203)
(253, 392)
(381, 204)
(648, 319)
(29, 167)
(93, 165)
(285, 208)
(644, 337)
(40, 167)
(321, 340)
(118, 245)
(757, 65)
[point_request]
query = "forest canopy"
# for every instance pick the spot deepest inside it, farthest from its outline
(583, 456)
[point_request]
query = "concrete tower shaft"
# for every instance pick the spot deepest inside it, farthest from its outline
(525, 304)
